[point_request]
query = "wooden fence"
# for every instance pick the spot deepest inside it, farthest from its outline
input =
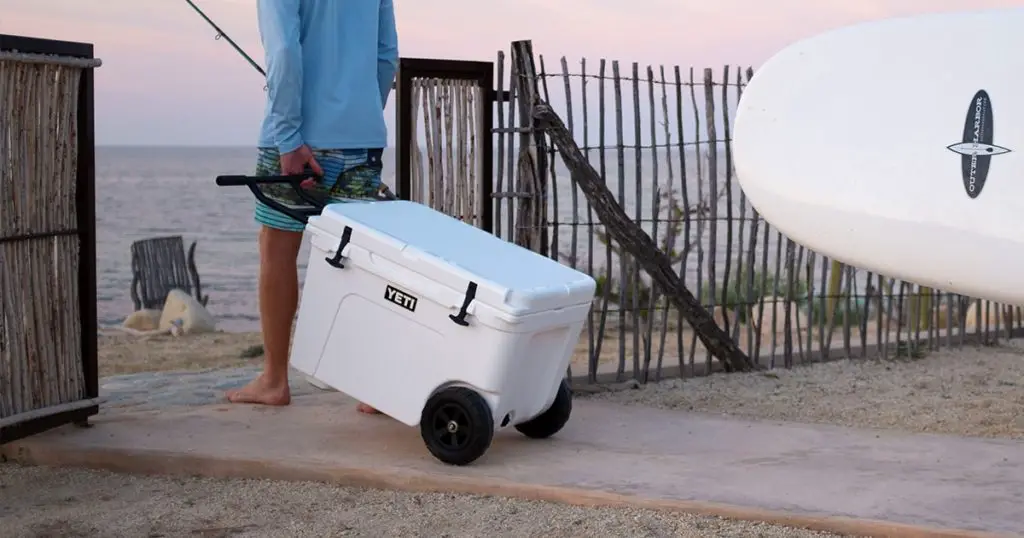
(48, 374)
(660, 136)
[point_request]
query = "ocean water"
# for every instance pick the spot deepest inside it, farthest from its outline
(144, 192)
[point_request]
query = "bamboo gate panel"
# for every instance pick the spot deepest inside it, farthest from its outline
(48, 371)
(449, 110)
(446, 104)
(660, 136)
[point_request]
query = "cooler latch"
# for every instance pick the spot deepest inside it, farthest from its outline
(346, 236)
(460, 318)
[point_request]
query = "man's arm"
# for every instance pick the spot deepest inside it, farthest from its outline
(279, 23)
(387, 49)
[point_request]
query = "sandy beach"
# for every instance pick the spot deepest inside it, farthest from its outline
(122, 353)
(972, 391)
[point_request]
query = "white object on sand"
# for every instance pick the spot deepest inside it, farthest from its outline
(439, 324)
(183, 314)
(142, 321)
(897, 147)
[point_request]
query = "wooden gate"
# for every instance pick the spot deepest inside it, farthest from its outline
(454, 170)
(48, 329)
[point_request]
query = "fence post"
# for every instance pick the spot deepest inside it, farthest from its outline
(48, 330)
(531, 220)
(405, 137)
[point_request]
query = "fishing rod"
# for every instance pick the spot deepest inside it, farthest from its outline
(220, 34)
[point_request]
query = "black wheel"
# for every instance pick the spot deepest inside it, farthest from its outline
(551, 421)
(457, 425)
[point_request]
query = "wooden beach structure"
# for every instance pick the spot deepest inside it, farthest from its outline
(48, 333)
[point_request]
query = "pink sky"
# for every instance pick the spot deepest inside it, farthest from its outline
(166, 81)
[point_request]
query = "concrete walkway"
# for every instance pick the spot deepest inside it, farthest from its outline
(812, 476)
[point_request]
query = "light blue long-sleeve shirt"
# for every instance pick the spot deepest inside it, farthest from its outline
(330, 66)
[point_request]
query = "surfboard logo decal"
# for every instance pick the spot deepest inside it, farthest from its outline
(976, 148)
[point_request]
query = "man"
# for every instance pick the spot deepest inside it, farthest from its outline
(330, 66)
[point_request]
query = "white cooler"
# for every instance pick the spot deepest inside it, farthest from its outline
(438, 323)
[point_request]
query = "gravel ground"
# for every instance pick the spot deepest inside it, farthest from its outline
(38, 502)
(971, 391)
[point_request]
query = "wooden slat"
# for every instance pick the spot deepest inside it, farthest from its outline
(160, 265)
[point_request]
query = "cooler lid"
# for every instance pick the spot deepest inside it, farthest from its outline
(509, 278)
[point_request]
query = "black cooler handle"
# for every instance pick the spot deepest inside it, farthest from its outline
(295, 181)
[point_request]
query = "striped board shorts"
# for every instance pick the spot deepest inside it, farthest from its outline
(349, 174)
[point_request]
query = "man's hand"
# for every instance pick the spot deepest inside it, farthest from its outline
(294, 163)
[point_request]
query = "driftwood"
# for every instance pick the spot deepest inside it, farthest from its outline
(634, 240)
(160, 265)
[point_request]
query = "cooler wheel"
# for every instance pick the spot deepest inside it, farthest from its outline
(551, 421)
(457, 425)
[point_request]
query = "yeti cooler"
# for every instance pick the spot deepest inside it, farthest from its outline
(405, 308)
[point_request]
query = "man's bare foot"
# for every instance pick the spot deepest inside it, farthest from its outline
(258, 391)
(363, 408)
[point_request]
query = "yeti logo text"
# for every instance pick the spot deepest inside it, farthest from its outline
(400, 298)
(976, 148)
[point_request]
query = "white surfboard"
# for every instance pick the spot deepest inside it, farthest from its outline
(898, 147)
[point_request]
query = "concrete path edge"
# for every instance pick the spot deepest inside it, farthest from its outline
(157, 462)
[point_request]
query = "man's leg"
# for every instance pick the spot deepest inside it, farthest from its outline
(280, 238)
(278, 300)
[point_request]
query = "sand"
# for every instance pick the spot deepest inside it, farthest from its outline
(121, 353)
(972, 391)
